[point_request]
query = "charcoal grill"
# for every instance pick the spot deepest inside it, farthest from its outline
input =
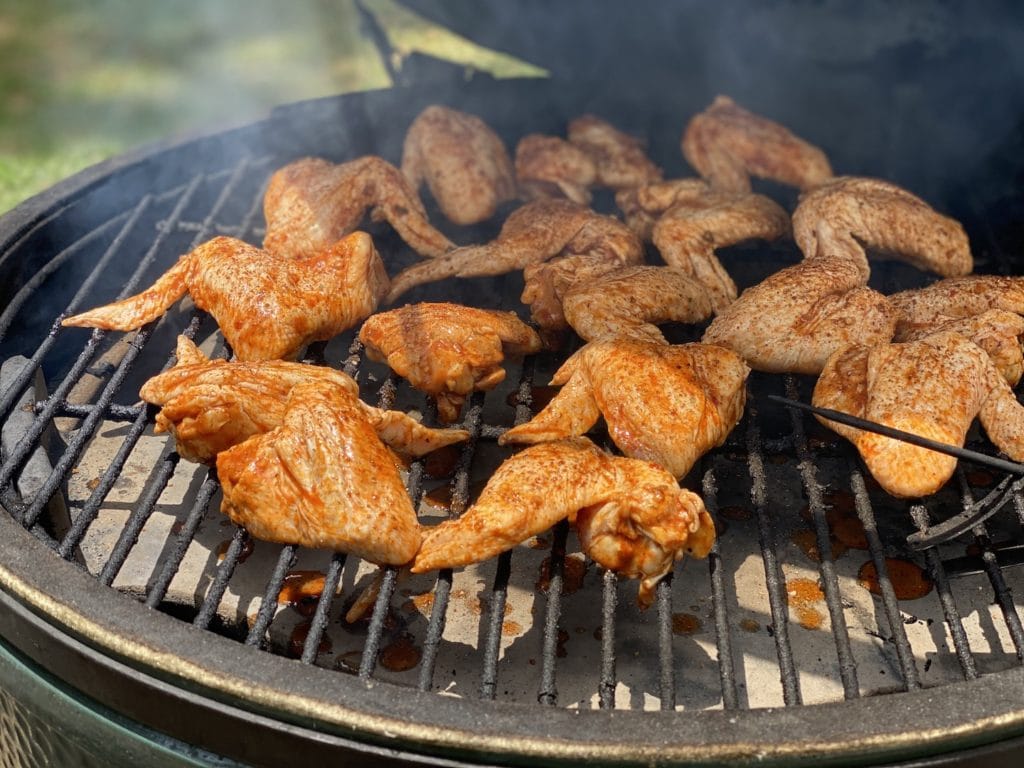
(121, 580)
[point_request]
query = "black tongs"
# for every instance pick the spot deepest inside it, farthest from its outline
(960, 523)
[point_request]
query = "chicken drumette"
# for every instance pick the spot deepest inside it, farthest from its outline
(620, 158)
(849, 214)
(632, 301)
(794, 319)
(322, 479)
(933, 388)
(447, 350)
(667, 404)
(549, 166)
(632, 516)
(532, 234)
(212, 405)
(463, 162)
(268, 306)
(727, 144)
(311, 203)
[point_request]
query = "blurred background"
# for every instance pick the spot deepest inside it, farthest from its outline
(81, 82)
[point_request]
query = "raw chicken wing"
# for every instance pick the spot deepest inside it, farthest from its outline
(643, 206)
(956, 297)
(849, 214)
(447, 350)
(689, 232)
(666, 404)
(268, 307)
(463, 162)
(322, 479)
(996, 331)
(311, 203)
(211, 405)
(547, 283)
(532, 234)
(632, 301)
(620, 158)
(633, 516)
(727, 145)
(794, 319)
(933, 388)
(548, 166)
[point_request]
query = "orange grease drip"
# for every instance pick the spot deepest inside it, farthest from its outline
(750, 625)
(685, 624)
(735, 513)
(247, 547)
(802, 594)
(511, 628)
(400, 655)
(441, 463)
(301, 590)
(573, 571)
(909, 581)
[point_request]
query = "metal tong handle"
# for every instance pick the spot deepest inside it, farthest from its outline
(973, 514)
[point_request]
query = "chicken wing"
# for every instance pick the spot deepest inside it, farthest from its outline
(546, 284)
(268, 306)
(447, 350)
(633, 516)
(311, 203)
(620, 158)
(666, 404)
(956, 297)
(996, 331)
(794, 319)
(322, 479)
(632, 301)
(532, 234)
(849, 214)
(727, 144)
(212, 405)
(463, 162)
(933, 388)
(689, 232)
(642, 206)
(548, 166)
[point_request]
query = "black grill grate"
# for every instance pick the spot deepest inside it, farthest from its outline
(168, 224)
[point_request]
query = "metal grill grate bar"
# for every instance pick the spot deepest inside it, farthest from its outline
(609, 601)
(772, 570)
(268, 605)
(492, 636)
(220, 581)
(953, 621)
(723, 637)
(158, 590)
(318, 624)
(548, 693)
(666, 668)
(897, 632)
(826, 564)
(373, 635)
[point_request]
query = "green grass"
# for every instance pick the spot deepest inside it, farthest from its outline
(80, 82)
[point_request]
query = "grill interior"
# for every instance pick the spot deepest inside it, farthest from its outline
(779, 614)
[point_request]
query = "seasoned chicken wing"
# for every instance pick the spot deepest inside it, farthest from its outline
(268, 306)
(666, 404)
(546, 284)
(727, 144)
(996, 331)
(643, 206)
(463, 162)
(849, 214)
(933, 388)
(311, 203)
(632, 301)
(322, 479)
(447, 350)
(549, 166)
(633, 516)
(689, 232)
(532, 234)
(211, 405)
(620, 158)
(956, 297)
(794, 319)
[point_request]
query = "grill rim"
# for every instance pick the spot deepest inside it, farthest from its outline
(895, 726)
(82, 611)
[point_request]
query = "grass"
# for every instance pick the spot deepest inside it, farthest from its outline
(81, 82)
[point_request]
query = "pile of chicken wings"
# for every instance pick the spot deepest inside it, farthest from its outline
(302, 460)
